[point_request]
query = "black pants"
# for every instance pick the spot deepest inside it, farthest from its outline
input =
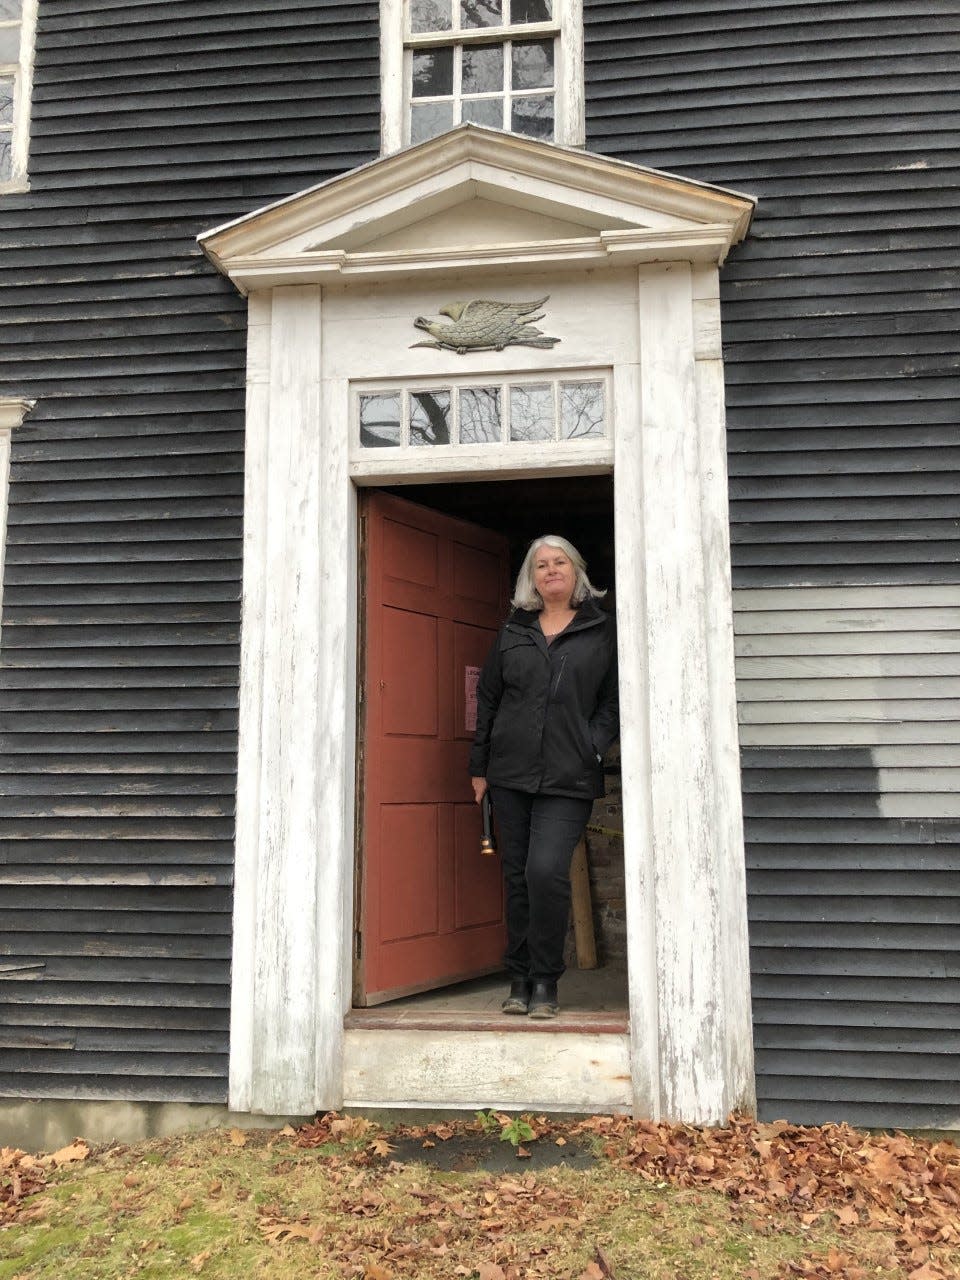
(538, 835)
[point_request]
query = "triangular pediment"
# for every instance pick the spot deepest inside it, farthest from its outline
(473, 198)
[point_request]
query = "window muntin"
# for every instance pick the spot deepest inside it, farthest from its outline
(490, 62)
(507, 411)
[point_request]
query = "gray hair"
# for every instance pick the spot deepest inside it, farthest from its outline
(526, 595)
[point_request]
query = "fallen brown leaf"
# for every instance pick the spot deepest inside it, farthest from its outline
(78, 1150)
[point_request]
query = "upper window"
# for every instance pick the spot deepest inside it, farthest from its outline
(507, 64)
(17, 25)
(506, 83)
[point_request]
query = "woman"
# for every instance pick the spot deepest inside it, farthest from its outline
(546, 713)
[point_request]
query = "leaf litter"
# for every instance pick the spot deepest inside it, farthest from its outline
(331, 1198)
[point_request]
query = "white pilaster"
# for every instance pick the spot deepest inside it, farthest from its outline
(282, 717)
(635, 747)
(692, 792)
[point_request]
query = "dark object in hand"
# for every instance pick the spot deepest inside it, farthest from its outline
(488, 841)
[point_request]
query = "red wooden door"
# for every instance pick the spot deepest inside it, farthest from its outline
(431, 905)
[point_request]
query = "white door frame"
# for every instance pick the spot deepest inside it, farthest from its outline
(689, 1050)
(312, 259)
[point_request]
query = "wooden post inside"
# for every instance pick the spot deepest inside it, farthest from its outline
(582, 909)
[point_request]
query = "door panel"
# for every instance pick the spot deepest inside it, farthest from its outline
(430, 904)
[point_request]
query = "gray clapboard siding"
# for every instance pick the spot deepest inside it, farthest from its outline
(839, 325)
(119, 660)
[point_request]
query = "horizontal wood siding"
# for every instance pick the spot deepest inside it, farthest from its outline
(118, 680)
(840, 323)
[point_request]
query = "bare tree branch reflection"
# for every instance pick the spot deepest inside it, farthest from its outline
(581, 409)
(479, 415)
(531, 413)
(430, 417)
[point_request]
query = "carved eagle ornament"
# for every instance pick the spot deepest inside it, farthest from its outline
(486, 325)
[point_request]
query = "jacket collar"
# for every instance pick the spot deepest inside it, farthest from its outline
(588, 614)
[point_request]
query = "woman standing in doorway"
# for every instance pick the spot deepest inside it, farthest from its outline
(546, 713)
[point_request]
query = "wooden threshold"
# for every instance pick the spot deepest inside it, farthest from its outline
(583, 1022)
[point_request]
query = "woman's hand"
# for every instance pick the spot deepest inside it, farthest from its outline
(479, 788)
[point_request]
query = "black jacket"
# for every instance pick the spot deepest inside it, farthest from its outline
(547, 713)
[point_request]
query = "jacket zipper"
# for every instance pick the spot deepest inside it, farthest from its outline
(556, 685)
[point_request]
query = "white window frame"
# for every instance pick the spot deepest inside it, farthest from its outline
(502, 454)
(396, 47)
(21, 73)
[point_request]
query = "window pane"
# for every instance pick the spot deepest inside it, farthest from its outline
(532, 64)
(485, 111)
(6, 102)
(530, 11)
(430, 417)
(534, 116)
(483, 69)
(531, 413)
(429, 15)
(479, 415)
(9, 44)
(430, 119)
(6, 158)
(380, 420)
(432, 73)
(481, 13)
(581, 410)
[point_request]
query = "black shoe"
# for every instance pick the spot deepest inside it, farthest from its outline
(519, 997)
(543, 1000)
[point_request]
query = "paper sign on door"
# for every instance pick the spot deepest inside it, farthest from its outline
(470, 677)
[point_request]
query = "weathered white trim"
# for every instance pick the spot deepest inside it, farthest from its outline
(551, 1071)
(12, 413)
(22, 98)
(610, 248)
(690, 1053)
(691, 788)
(291, 710)
(609, 195)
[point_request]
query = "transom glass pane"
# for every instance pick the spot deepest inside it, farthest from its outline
(6, 158)
(481, 13)
(428, 120)
(10, 9)
(430, 15)
(581, 410)
(530, 11)
(533, 116)
(479, 415)
(380, 419)
(532, 64)
(432, 72)
(531, 413)
(483, 69)
(430, 417)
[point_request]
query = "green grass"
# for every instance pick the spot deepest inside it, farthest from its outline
(202, 1205)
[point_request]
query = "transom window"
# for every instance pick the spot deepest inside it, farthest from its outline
(498, 71)
(487, 411)
(515, 65)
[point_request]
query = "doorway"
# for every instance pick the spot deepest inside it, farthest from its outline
(510, 513)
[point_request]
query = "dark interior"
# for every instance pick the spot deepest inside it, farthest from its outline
(579, 508)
